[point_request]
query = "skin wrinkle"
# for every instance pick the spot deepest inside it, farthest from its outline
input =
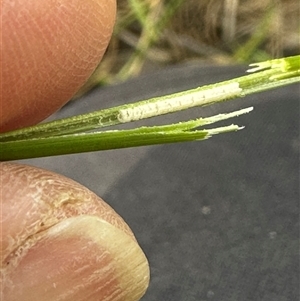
(27, 47)
(58, 47)
(47, 40)
(88, 235)
(93, 278)
(64, 27)
(49, 199)
(62, 269)
(101, 234)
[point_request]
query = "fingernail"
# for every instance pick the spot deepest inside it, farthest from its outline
(80, 259)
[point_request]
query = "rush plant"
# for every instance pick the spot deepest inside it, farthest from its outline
(72, 135)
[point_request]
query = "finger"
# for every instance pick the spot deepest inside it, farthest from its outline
(48, 50)
(61, 242)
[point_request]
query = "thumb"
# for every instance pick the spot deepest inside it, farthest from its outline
(48, 51)
(59, 241)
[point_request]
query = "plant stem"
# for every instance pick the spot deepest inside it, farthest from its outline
(87, 142)
(69, 135)
(279, 72)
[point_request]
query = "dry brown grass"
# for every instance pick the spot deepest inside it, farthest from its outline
(227, 25)
(212, 31)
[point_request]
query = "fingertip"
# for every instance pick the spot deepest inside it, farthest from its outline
(58, 237)
(48, 51)
(82, 258)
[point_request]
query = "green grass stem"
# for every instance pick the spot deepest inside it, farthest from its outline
(70, 135)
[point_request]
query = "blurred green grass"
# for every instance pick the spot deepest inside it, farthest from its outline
(151, 34)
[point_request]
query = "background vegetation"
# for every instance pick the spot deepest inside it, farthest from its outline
(151, 34)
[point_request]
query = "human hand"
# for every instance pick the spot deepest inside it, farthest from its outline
(59, 241)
